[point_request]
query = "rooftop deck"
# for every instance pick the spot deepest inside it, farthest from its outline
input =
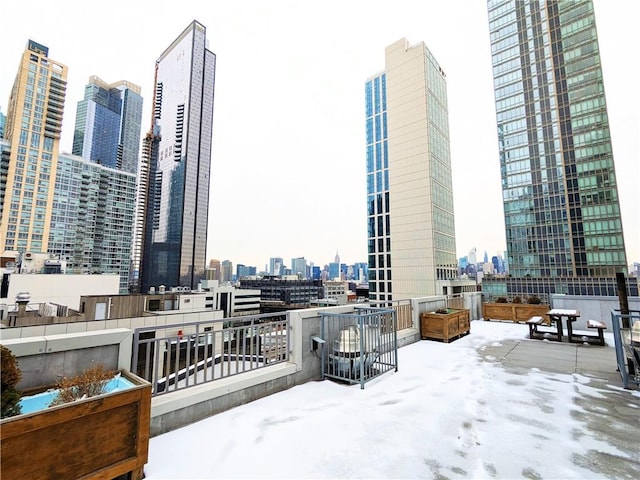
(493, 404)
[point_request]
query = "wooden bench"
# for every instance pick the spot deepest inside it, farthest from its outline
(600, 326)
(534, 323)
(534, 329)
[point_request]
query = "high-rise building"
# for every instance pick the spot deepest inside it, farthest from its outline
(276, 266)
(226, 274)
(562, 216)
(173, 186)
(92, 218)
(107, 127)
(244, 271)
(411, 237)
(299, 267)
(3, 121)
(34, 122)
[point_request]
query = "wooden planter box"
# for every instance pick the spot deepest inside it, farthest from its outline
(100, 437)
(515, 312)
(444, 326)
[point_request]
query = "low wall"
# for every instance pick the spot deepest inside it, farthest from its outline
(43, 360)
(592, 307)
(42, 353)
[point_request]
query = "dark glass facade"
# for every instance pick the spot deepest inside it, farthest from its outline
(378, 211)
(561, 210)
(107, 129)
(179, 150)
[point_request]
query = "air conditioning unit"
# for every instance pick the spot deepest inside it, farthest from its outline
(28, 255)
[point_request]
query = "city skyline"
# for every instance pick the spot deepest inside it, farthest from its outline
(288, 135)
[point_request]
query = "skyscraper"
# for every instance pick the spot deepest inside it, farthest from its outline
(34, 121)
(411, 237)
(171, 224)
(107, 129)
(562, 216)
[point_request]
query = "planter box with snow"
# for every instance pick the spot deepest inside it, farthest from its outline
(99, 437)
(514, 312)
(444, 326)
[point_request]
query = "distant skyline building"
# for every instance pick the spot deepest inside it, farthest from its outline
(108, 121)
(299, 267)
(276, 266)
(3, 121)
(562, 214)
(92, 218)
(244, 271)
(33, 126)
(215, 268)
(226, 273)
(173, 192)
(411, 237)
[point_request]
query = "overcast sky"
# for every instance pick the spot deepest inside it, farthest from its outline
(288, 167)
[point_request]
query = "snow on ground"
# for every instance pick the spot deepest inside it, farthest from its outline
(446, 413)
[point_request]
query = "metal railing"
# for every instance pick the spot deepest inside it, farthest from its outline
(177, 356)
(626, 336)
(403, 311)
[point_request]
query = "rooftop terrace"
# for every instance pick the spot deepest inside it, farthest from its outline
(492, 404)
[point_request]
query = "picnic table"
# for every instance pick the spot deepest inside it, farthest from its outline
(557, 315)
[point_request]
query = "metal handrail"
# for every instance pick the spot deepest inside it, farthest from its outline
(200, 352)
(627, 348)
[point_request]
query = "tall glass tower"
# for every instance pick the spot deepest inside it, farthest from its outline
(411, 236)
(561, 210)
(107, 129)
(174, 180)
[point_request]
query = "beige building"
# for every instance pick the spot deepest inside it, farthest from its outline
(34, 122)
(409, 187)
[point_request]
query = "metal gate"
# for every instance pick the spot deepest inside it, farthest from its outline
(359, 346)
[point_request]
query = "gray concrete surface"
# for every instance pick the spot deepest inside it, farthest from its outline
(611, 414)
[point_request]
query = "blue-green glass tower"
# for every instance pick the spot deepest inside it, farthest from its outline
(562, 215)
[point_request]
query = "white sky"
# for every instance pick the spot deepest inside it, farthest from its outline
(446, 413)
(288, 174)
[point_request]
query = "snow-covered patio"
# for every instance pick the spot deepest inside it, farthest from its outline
(457, 410)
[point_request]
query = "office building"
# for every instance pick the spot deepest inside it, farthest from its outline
(107, 129)
(173, 188)
(34, 122)
(92, 218)
(411, 238)
(562, 216)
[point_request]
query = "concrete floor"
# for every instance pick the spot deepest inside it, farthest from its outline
(612, 415)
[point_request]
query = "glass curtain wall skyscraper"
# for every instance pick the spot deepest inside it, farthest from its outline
(107, 129)
(411, 235)
(171, 227)
(562, 216)
(34, 123)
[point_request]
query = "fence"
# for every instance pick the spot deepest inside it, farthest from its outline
(178, 356)
(359, 346)
(626, 335)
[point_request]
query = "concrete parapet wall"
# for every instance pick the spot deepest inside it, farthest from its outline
(43, 360)
(592, 307)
